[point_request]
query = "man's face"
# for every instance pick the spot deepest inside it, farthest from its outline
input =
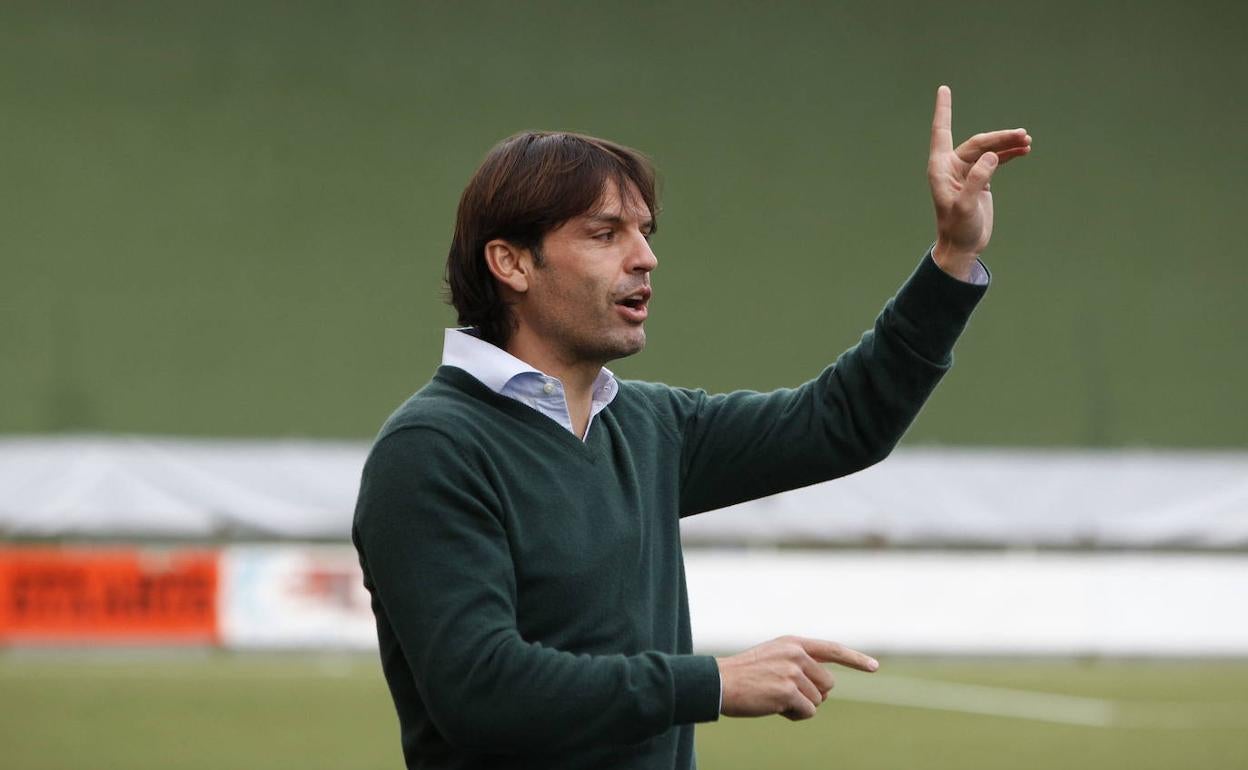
(588, 301)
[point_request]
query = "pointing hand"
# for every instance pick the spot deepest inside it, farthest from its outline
(784, 676)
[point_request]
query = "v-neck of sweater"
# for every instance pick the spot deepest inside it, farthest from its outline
(591, 448)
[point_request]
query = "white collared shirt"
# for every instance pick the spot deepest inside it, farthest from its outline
(508, 376)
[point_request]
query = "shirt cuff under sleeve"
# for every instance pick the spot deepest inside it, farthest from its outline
(979, 274)
(697, 689)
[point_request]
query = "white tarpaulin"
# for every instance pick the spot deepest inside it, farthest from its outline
(177, 488)
(117, 487)
(1067, 498)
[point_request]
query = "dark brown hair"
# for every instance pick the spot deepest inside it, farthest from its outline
(528, 185)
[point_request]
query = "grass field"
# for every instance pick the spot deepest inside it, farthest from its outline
(297, 711)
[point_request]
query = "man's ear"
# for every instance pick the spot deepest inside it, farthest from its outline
(510, 264)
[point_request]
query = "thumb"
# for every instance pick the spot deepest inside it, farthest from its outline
(981, 173)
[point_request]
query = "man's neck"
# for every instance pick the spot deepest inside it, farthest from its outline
(577, 377)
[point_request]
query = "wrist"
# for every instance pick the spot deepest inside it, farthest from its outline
(957, 263)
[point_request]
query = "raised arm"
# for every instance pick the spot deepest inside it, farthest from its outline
(742, 446)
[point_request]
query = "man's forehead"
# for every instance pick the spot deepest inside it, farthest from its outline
(610, 206)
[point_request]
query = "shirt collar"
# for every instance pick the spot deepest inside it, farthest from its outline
(490, 364)
(495, 367)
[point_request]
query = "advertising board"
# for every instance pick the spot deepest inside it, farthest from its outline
(119, 595)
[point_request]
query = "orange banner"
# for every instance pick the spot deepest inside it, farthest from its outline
(109, 596)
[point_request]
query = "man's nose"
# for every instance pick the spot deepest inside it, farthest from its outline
(643, 259)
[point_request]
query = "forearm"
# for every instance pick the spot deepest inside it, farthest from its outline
(931, 309)
(519, 697)
(847, 418)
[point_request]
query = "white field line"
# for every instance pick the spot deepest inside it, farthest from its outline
(981, 699)
(1041, 706)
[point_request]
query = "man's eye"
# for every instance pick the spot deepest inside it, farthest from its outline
(605, 236)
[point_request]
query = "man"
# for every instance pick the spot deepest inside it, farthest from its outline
(518, 517)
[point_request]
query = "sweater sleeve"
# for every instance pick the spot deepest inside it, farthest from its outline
(436, 557)
(745, 445)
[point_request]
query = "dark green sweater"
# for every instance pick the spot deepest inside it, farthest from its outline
(529, 587)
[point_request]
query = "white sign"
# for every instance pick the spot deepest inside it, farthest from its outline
(294, 597)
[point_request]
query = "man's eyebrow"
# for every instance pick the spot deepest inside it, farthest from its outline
(612, 219)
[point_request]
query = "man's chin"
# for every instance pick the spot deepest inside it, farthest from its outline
(626, 345)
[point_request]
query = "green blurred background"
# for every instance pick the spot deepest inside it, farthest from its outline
(230, 218)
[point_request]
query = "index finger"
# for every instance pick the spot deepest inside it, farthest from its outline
(831, 652)
(942, 121)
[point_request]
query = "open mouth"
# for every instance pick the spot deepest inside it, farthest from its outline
(634, 306)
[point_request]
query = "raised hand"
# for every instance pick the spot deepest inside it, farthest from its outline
(959, 178)
(784, 676)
